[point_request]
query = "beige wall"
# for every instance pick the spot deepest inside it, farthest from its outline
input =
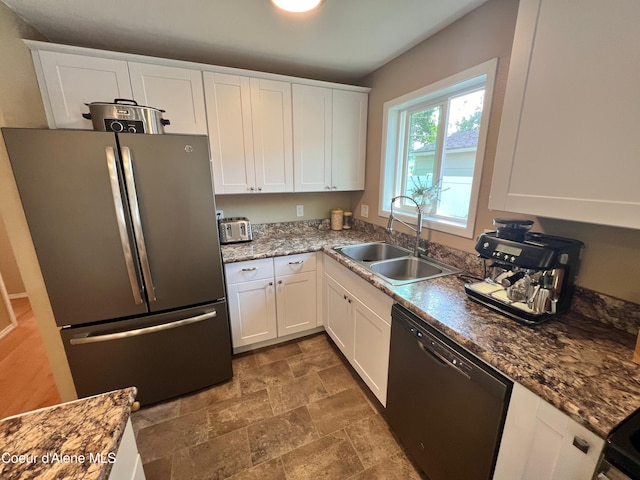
(281, 207)
(611, 259)
(21, 106)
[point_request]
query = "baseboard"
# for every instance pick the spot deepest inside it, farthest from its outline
(7, 329)
(275, 341)
(14, 296)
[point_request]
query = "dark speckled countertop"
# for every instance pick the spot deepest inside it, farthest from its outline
(67, 440)
(580, 365)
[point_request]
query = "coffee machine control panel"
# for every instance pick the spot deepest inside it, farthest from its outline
(527, 254)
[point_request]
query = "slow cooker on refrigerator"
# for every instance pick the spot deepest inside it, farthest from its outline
(124, 115)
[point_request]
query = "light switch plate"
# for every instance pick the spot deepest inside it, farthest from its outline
(364, 211)
(300, 210)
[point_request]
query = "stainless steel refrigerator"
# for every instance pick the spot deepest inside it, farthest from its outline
(125, 231)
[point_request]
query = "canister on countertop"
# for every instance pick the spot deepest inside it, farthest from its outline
(336, 218)
(347, 220)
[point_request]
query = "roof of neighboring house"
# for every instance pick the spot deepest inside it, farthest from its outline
(456, 140)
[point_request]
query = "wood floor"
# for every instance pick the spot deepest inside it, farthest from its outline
(26, 381)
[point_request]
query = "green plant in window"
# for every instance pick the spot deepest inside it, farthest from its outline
(423, 193)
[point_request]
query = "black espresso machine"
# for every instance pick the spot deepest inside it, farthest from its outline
(531, 276)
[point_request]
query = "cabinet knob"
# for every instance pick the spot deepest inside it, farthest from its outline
(251, 189)
(334, 187)
(271, 284)
(259, 189)
(327, 187)
(279, 282)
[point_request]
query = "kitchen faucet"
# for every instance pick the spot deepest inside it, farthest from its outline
(418, 229)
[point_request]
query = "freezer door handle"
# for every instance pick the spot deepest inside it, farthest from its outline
(137, 222)
(122, 225)
(143, 331)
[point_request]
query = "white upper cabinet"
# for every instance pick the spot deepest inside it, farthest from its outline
(312, 107)
(329, 138)
(68, 81)
(268, 133)
(568, 143)
(272, 135)
(177, 91)
(250, 133)
(349, 138)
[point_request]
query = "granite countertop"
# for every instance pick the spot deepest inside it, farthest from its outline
(77, 439)
(581, 366)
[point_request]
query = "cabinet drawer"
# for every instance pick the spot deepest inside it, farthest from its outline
(248, 271)
(290, 264)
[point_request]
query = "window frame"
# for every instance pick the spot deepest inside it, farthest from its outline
(395, 114)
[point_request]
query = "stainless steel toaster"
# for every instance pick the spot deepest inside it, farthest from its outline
(234, 230)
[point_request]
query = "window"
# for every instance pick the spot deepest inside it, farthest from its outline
(433, 147)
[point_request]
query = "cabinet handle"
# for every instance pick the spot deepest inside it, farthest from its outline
(299, 262)
(345, 297)
(249, 269)
(581, 444)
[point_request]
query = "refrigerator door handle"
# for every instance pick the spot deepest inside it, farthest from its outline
(143, 331)
(122, 226)
(137, 222)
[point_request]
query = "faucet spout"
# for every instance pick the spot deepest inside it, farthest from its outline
(417, 229)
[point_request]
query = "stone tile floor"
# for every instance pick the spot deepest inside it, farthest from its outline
(293, 411)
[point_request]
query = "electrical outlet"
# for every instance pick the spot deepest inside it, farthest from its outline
(300, 210)
(219, 214)
(364, 211)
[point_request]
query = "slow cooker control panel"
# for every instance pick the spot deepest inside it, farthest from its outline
(123, 126)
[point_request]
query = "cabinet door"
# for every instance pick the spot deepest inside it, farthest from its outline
(338, 313)
(312, 118)
(73, 80)
(348, 145)
(178, 91)
(538, 442)
(567, 147)
(371, 349)
(272, 135)
(252, 312)
(296, 302)
(228, 101)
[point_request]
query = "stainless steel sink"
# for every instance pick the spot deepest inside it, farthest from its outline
(394, 264)
(373, 252)
(411, 269)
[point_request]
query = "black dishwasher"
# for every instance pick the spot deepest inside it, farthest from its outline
(446, 406)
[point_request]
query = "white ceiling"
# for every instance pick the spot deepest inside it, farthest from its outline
(342, 41)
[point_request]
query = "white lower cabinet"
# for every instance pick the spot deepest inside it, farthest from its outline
(357, 316)
(540, 442)
(127, 465)
(271, 298)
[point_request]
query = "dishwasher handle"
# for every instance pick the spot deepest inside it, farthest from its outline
(441, 360)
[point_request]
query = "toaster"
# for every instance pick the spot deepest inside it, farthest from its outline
(234, 230)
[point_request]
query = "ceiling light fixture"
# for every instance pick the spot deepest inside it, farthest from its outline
(296, 6)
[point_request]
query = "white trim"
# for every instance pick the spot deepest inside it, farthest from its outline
(431, 93)
(35, 46)
(9, 307)
(13, 296)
